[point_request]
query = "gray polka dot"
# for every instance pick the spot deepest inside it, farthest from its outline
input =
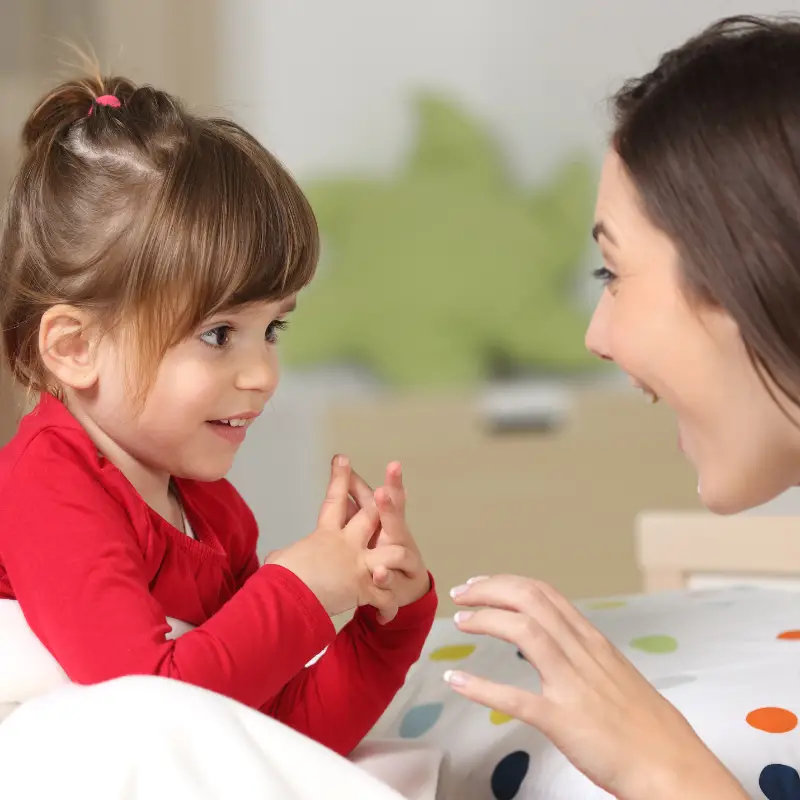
(672, 681)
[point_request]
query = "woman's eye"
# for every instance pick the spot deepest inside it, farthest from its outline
(274, 330)
(604, 275)
(217, 337)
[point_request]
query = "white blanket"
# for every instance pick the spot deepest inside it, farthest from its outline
(143, 738)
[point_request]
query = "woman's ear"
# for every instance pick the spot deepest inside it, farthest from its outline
(68, 346)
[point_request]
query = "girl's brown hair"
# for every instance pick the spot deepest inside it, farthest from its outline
(711, 140)
(146, 215)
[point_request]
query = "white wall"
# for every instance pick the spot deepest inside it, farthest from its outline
(325, 85)
(787, 504)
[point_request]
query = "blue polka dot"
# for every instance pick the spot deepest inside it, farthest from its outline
(509, 774)
(779, 782)
(420, 720)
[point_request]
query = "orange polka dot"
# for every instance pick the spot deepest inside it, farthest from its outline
(789, 635)
(772, 720)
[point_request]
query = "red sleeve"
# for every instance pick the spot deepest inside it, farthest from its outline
(76, 568)
(244, 554)
(339, 699)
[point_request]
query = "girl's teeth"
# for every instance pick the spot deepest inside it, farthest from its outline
(234, 423)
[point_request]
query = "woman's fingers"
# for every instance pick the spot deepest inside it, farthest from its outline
(535, 642)
(534, 709)
(594, 706)
(510, 592)
(532, 600)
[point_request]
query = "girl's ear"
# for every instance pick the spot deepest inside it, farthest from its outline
(68, 346)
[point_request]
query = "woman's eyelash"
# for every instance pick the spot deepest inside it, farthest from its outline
(604, 275)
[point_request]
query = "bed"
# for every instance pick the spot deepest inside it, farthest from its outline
(717, 631)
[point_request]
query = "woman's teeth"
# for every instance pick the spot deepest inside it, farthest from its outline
(234, 423)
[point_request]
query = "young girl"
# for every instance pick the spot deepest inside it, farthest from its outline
(149, 258)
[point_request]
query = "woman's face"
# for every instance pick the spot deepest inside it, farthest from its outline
(689, 356)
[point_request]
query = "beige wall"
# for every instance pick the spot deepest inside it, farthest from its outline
(559, 506)
(172, 45)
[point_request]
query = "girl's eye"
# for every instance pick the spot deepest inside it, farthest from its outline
(274, 330)
(217, 337)
(604, 275)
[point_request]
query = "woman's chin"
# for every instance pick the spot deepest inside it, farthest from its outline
(732, 496)
(721, 505)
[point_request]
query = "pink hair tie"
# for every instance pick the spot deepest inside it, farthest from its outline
(105, 100)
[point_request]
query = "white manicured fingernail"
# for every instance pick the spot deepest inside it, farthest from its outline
(462, 616)
(455, 678)
(458, 590)
(476, 579)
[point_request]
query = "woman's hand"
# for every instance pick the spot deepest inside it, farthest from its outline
(594, 705)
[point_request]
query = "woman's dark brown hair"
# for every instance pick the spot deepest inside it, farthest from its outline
(711, 140)
(148, 216)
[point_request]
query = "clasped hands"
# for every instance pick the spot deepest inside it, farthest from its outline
(362, 551)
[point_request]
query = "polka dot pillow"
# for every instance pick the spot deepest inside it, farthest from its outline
(728, 659)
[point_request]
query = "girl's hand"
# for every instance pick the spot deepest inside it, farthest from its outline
(335, 561)
(413, 582)
(594, 705)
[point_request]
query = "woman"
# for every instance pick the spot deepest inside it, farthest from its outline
(698, 223)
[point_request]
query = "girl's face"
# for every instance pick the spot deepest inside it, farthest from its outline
(689, 356)
(207, 392)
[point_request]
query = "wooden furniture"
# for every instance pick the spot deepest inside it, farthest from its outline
(678, 550)
(559, 504)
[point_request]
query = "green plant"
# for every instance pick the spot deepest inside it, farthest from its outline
(448, 270)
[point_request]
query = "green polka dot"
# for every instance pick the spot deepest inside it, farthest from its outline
(606, 605)
(452, 652)
(655, 644)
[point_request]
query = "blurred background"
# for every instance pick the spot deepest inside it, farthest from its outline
(451, 151)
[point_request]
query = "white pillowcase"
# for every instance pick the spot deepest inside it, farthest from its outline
(27, 669)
